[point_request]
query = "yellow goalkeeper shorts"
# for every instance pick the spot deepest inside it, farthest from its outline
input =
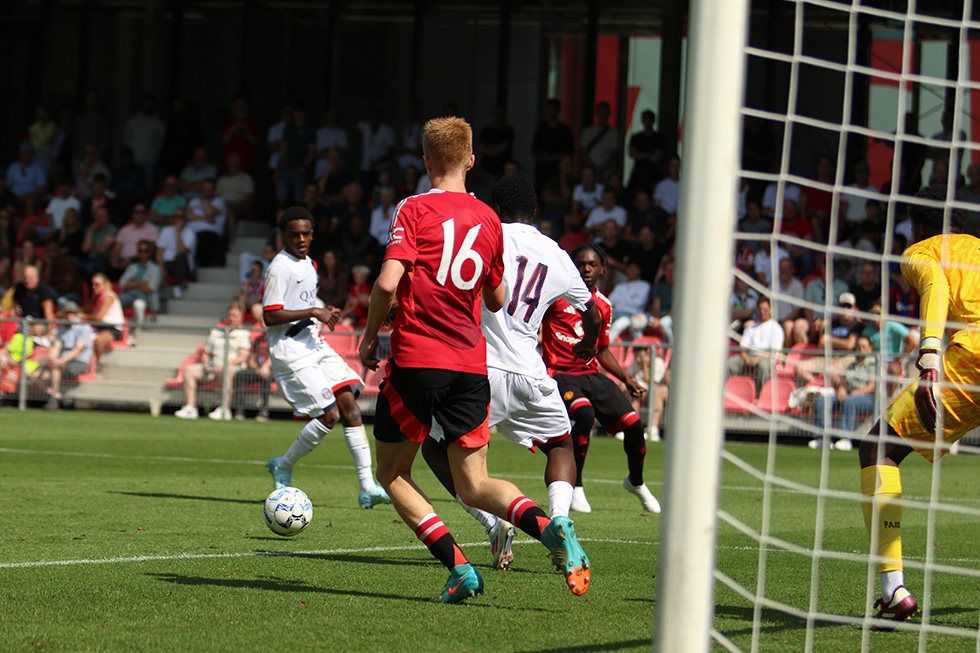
(959, 405)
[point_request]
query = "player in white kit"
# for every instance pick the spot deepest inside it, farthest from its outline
(525, 404)
(315, 380)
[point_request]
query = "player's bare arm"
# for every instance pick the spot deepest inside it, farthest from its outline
(328, 315)
(494, 298)
(611, 365)
(591, 322)
(382, 299)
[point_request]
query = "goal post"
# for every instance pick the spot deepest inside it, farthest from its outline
(706, 224)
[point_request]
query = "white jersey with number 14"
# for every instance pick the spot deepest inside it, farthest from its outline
(537, 272)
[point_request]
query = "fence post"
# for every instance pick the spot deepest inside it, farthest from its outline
(25, 329)
(225, 404)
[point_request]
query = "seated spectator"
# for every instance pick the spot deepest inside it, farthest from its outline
(68, 240)
(124, 250)
(27, 257)
(854, 388)
(810, 328)
(763, 261)
(360, 247)
(645, 214)
(754, 223)
(409, 186)
(334, 279)
(238, 343)
(140, 282)
(176, 248)
(206, 217)
(867, 290)
(239, 134)
(557, 195)
(17, 349)
(852, 204)
(129, 182)
(61, 272)
(573, 231)
(100, 199)
(845, 329)
(789, 309)
(607, 210)
(617, 251)
(587, 194)
(97, 246)
(352, 204)
(648, 251)
(236, 187)
(71, 355)
(34, 228)
(166, 203)
(63, 200)
(629, 300)
(383, 181)
(381, 216)
(106, 315)
(89, 168)
(258, 370)
(192, 178)
(253, 288)
(27, 180)
(335, 177)
(797, 226)
(791, 191)
(34, 298)
(899, 342)
(316, 205)
(355, 309)
(662, 301)
(903, 300)
(818, 200)
(331, 136)
(667, 190)
(650, 373)
(760, 345)
(8, 201)
(743, 304)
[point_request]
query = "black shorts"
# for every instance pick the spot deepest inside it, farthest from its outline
(612, 408)
(412, 400)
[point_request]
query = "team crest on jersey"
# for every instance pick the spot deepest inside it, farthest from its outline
(568, 395)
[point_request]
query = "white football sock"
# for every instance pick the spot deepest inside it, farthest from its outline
(890, 581)
(311, 435)
(360, 451)
(559, 498)
(488, 520)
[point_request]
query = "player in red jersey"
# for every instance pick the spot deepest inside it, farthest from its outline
(445, 251)
(587, 392)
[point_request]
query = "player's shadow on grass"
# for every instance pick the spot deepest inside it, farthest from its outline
(774, 620)
(275, 585)
(588, 648)
(192, 497)
(371, 560)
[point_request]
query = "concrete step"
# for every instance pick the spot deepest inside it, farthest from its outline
(144, 356)
(179, 343)
(253, 230)
(200, 308)
(138, 375)
(168, 321)
(98, 393)
(227, 276)
(221, 294)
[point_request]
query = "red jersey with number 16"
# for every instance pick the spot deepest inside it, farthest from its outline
(562, 329)
(452, 245)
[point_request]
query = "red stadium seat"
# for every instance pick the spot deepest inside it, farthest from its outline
(774, 397)
(739, 394)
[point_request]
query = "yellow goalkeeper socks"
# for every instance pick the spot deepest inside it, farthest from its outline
(883, 485)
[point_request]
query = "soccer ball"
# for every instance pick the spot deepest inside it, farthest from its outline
(288, 511)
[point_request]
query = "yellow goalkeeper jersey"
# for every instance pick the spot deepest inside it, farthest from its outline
(948, 285)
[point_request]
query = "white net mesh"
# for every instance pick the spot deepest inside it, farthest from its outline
(833, 151)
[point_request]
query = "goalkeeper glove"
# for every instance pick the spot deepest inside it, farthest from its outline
(925, 394)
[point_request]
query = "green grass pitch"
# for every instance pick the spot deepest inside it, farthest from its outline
(126, 532)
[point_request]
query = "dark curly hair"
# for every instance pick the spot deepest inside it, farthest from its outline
(931, 217)
(513, 197)
(293, 213)
(595, 247)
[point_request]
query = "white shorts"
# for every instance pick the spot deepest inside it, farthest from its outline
(311, 390)
(528, 411)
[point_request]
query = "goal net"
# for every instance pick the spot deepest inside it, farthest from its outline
(848, 109)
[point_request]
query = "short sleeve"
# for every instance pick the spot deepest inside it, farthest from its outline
(402, 244)
(495, 275)
(577, 294)
(273, 298)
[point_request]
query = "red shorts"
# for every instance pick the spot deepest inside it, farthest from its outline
(448, 406)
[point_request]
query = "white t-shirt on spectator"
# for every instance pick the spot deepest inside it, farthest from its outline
(329, 138)
(57, 207)
(630, 296)
(763, 338)
(598, 215)
(667, 191)
(589, 199)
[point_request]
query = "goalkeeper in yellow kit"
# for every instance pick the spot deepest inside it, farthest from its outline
(945, 270)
